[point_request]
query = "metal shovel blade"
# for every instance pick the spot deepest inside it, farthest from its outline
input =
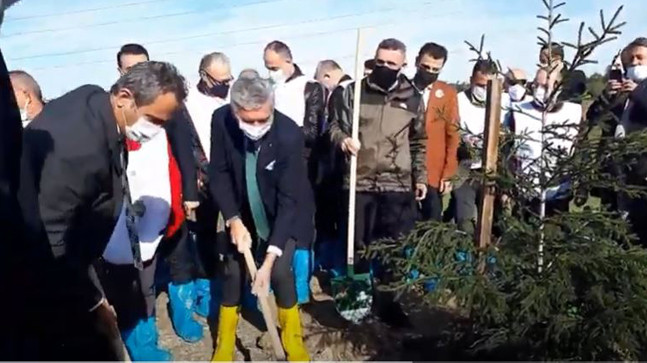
(353, 296)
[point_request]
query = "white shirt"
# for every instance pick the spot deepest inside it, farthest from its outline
(148, 178)
(201, 109)
(528, 126)
(289, 99)
(472, 121)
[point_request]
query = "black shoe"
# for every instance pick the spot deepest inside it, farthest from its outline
(392, 314)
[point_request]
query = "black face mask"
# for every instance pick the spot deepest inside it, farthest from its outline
(422, 79)
(218, 90)
(384, 77)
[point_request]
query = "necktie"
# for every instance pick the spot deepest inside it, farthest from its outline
(130, 213)
(254, 195)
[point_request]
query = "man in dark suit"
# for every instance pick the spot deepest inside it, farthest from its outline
(10, 221)
(72, 190)
(259, 180)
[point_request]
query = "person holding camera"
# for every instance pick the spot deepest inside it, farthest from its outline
(634, 119)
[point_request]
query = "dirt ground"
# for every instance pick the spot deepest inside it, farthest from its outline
(327, 336)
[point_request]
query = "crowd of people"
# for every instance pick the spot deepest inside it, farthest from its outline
(118, 186)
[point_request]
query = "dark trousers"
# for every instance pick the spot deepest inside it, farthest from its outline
(192, 252)
(52, 327)
(80, 336)
(235, 278)
(130, 291)
(638, 218)
(465, 202)
(431, 208)
(381, 215)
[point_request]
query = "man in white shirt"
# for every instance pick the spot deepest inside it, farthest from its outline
(194, 258)
(560, 130)
(211, 92)
(304, 101)
(471, 109)
(515, 87)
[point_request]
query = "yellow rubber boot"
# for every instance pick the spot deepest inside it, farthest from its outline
(291, 335)
(227, 323)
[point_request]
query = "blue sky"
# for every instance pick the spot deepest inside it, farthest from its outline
(67, 43)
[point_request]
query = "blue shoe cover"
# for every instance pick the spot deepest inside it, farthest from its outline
(301, 264)
(141, 342)
(203, 297)
(182, 306)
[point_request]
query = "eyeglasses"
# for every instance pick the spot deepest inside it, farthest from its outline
(215, 81)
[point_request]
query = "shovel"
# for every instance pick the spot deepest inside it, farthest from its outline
(264, 302)
(353, 293)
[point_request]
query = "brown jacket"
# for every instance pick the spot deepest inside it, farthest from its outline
(441, 120)
(391, 131)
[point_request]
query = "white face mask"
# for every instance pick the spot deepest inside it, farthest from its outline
(254, 132)
(142, 130)
(479, 93)
(517, 92)
(539, 95)
(277, 77)
(24, 116)
(637, 73)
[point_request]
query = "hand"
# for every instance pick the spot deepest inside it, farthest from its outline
(613, 86)
(240, 235)
(471, 140)
(350, 146)
(628, 85)
(505, 201)
(445, 187)
(107, 319)
(261, 283)
(421, 191)
(189, 209)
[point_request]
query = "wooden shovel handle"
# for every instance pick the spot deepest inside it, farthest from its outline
(357, 92)
(265, 309)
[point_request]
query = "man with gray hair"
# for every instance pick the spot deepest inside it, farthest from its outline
(193, 259)
(258, 179)
(209, 94)
(28, 95)
(72, 189)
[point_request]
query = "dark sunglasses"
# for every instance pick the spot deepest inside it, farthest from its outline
(215, 81)
(516, 82)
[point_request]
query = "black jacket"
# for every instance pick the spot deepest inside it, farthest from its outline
(639, 99)
(281, 175)
(180, 136)
(70, 193)
(315, 112)
(10, 147)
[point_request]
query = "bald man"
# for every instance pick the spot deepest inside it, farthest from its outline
(29, 96)
(330, 74)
